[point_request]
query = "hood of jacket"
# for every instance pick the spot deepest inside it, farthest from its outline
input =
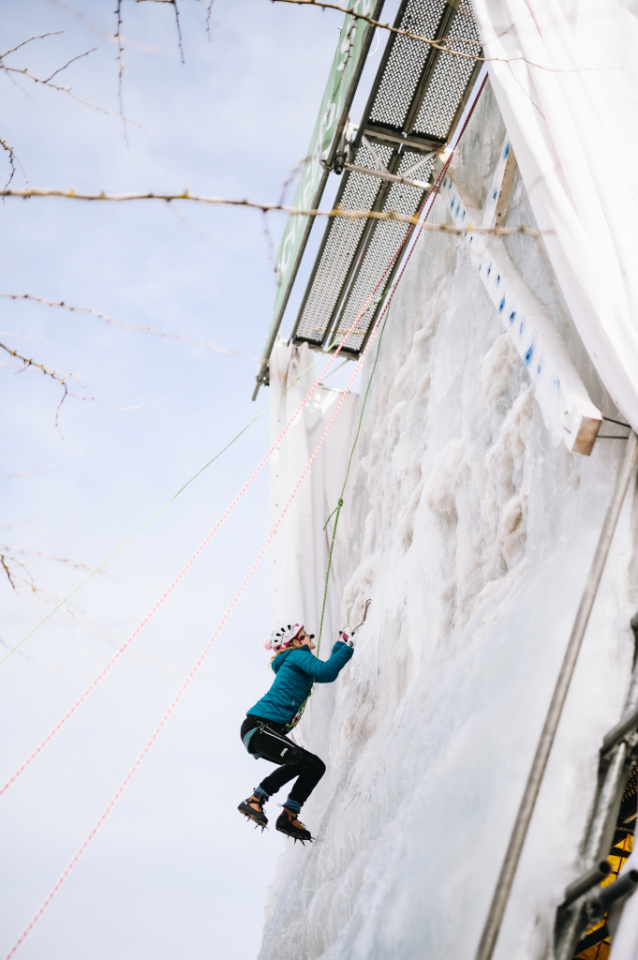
(279, 660)
(295, 671)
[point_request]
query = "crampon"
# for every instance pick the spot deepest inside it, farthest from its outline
(288, 823)
(253, 809)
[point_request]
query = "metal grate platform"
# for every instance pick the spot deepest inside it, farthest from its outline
(416, 101)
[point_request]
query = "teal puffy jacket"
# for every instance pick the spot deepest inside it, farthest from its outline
(296, 670)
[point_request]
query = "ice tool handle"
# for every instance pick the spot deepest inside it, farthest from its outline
(365, 614)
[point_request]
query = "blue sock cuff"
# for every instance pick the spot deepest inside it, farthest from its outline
(259, 792)
(293, 805)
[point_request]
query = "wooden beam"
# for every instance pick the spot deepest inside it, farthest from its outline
(500, 188)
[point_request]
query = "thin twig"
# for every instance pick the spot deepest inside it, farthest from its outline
(30, 362)
(62, 380)
(93, 27)
(442, 45)
(179, 31)
(292, 178)
(271, 246)
(336, 212)
(68, 90)
(13, 160)
(7, 570)
(193, 227)
(209, 345)
(41, 36)
(209, 10)
(118, 37)
(60, 69)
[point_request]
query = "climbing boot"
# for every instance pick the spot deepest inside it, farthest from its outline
(288, 823)
(253, 808)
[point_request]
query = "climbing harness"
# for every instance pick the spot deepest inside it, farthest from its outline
(297, 717)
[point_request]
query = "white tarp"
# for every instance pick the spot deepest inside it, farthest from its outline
(299, 553)
(569, 99)
(565, 75)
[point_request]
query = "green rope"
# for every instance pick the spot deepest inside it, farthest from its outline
(124, 543)
(153, 516)
(337, 509)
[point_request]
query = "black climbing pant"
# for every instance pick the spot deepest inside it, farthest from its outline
(270, 742)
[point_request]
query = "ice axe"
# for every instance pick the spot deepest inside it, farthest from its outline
(365, 614)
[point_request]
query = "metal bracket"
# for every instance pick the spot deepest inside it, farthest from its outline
(345, 150)
(390, 177)
(414, 143)
(382, 173)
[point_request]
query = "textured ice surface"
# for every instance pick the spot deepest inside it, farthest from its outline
(473, 533)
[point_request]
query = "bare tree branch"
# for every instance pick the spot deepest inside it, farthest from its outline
(209, 345)
(7, 570)
(68, 64)
(118, 37)
(41, 36)
(17, 474)
(30, 362)
(13, 160)
(209, 9)
(127, 42)
(12, 72)
(443, 45)
(18, 563)
(336, 212)
(179, 29)
(61, 379)
(193, 227)
(54, 86)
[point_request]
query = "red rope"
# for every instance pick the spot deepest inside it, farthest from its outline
(263, 550)
(194, 557)
(194, 670)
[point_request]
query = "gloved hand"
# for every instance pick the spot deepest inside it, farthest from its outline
(343, 636)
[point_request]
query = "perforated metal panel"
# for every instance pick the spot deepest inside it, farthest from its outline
(385, 241)
(418, 92)
(405, 65)
(450, 76)
(340, 244)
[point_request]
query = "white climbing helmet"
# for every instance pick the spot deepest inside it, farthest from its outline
(281, 638)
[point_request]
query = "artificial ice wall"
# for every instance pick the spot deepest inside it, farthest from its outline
(472, 530)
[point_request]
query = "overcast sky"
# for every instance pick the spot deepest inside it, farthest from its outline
(174, 872)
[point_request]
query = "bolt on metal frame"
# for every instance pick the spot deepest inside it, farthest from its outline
(416, 101)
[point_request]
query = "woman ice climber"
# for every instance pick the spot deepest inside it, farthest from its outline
(264, 730)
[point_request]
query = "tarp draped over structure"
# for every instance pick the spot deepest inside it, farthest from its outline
(565, 75)
(299, 553)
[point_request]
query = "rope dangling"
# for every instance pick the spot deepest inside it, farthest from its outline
(337, 509)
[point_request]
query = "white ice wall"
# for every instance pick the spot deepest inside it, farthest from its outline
(473, 532)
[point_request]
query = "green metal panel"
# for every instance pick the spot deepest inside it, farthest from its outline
(354, 41)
